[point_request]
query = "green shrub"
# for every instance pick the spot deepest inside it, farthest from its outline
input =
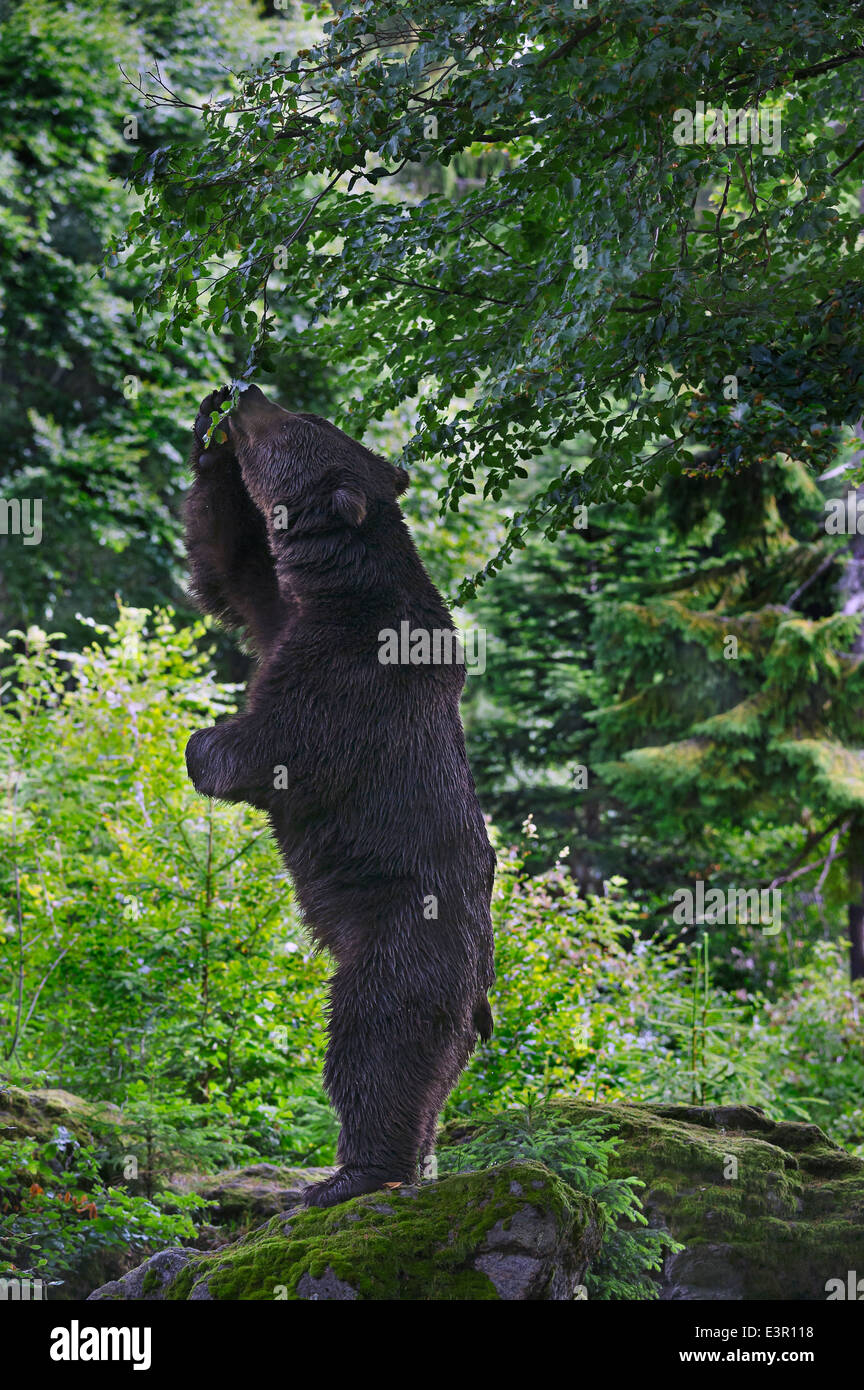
(69, 1217)
(622, 1269)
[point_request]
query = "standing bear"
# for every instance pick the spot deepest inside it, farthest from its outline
(294, 534)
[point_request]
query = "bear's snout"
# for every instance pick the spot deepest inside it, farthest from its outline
(255, 415)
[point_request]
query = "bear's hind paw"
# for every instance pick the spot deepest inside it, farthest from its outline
(342, 1186)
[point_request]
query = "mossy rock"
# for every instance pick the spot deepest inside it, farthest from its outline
(765, 1209)
(241, 1196)
(38, 1115)
(515, 1232)
(45, 1116)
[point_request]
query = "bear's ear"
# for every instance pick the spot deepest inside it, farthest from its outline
(349, 505)
(402, 480)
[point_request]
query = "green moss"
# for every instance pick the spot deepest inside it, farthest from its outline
(777, 1223)
(181, 1287)
(791, 1217)
(37, 1114)
(412, 1245)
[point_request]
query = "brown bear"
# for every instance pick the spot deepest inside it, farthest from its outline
(295, 535)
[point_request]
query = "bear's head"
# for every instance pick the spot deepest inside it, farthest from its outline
(306, 476)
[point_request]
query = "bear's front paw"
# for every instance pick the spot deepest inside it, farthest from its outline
(203, 421)
(200, 762)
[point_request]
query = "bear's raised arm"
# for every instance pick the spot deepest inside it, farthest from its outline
(231, 568)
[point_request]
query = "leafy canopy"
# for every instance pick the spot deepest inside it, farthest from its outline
(601, 281)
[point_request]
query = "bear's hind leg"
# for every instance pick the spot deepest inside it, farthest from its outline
(387, 1061)
(457, 1059)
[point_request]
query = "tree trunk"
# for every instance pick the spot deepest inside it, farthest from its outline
(856, 904)
(852, 590)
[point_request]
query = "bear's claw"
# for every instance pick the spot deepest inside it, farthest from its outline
(214, 401)
(342, 1186)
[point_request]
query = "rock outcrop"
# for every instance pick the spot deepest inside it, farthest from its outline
(40, 1114)
(241, 1197)
(764, 1209)
(515, 1232)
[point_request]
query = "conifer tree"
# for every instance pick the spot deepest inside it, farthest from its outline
(700, 659)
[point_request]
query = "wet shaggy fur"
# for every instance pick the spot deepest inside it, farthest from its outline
(295, 535)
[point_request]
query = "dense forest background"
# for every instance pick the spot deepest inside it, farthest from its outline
(672, 693)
